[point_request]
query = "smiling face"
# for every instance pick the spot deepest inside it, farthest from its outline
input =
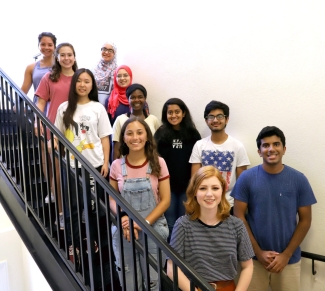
(209, 194)
(46, 46)
(216, 125)
(123, 78)
(107, 52)
(66, 57)
(135, 136)
(272, 150)
(84, 85)
(175, 115)
(137, 100)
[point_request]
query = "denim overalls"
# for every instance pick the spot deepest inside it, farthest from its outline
(138, 192)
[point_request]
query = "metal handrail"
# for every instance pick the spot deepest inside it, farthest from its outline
(313, 257)
(26, 113)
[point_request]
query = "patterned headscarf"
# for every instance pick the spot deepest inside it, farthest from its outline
(104, 70)
(118, 93)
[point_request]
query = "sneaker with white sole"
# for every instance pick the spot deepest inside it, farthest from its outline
(47, 199)
(71, 257)
(61, 220)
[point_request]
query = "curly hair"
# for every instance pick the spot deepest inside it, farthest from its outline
(56, 69)
(192, 207)
(150, 146)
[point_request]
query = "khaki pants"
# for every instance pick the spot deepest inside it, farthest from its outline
(287, 280)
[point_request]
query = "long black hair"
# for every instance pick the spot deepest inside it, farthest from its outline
(56, 69)
(73, 96)
(187, 126)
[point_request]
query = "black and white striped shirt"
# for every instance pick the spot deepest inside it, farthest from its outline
(213, 251)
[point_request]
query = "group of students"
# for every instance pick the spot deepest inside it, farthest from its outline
(184, 186)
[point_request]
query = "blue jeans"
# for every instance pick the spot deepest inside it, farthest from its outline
(175, 210)
(161, 227)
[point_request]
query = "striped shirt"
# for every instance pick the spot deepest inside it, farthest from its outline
(213, 251)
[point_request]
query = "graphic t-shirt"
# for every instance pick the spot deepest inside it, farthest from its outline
(91, 123)
(225, 157)
(176, 151)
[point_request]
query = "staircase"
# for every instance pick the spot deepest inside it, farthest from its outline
(80, 257)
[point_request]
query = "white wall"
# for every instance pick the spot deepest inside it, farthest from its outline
(265, 59)
(23, 273)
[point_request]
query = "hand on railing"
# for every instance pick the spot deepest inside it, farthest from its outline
(127, 234)
(55, 142)
(36, 128)
(49, 145)
(126, 228)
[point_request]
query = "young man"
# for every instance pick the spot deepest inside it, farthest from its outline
(273, 194)
(219, 149)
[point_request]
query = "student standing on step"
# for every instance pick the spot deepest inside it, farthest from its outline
(274, 201)
(142, 178)
(175, 140)
(84, 122)
(220, 149)
(35, 71)
(54, 88)
(210, 239)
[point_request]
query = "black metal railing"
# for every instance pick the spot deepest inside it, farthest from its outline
(85, 244)
(313, 257)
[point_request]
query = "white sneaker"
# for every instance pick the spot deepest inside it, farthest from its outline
(61, 221)
(47, 198)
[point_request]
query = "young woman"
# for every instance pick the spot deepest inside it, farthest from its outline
(118, 103)
(84, 121)
(175, 140)
(142, 178)
(54, 88)
(35, 71)
(209, 238)
(137, 97)
(104, 71)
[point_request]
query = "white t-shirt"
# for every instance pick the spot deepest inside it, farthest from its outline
(151, 120)
(91, 124)
(225, 157)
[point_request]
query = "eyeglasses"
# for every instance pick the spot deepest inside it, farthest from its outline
(105, 50)
(218, 117)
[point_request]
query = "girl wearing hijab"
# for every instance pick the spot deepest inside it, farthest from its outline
(104, 72)
(118, 102)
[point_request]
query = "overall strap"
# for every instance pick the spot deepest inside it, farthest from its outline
(149, 170)
(123, 166)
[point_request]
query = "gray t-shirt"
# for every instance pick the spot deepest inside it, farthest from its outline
(213, 251)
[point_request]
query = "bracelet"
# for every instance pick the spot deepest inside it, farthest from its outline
(147, 221)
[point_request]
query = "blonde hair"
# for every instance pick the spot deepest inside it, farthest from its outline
(192, 207)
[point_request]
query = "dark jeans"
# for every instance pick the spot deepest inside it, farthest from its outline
(74, 209)
(175, 210)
